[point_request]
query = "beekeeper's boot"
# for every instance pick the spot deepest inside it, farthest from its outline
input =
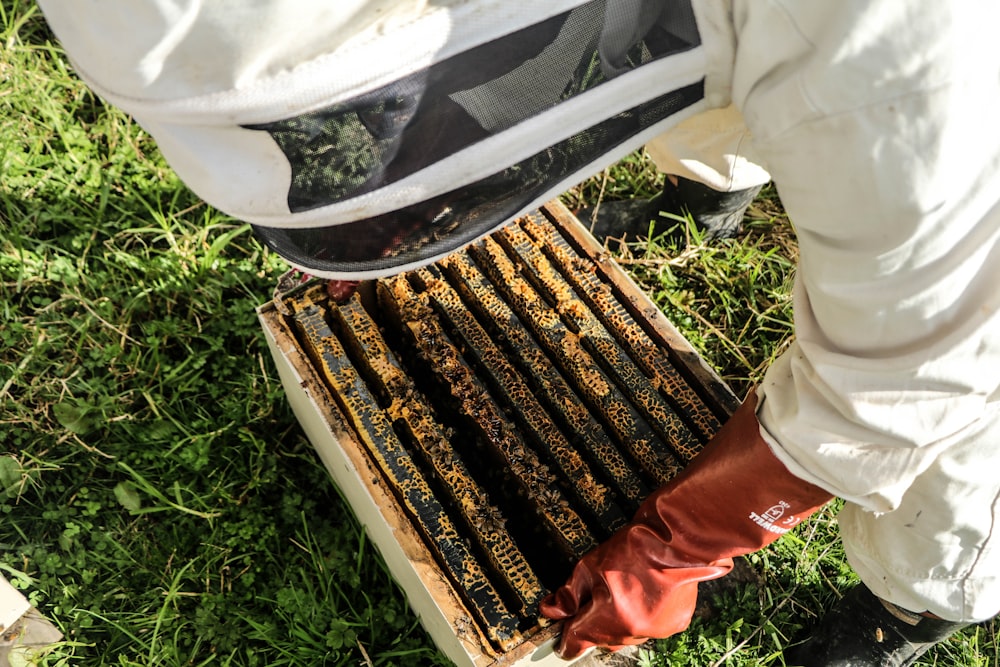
(733, 498)
(863, 630)
(715, 214)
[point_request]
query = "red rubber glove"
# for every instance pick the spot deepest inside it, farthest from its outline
(734, 498)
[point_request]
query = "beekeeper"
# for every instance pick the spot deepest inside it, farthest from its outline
(363, 138)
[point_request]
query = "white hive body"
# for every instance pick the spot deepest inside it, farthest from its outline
(493, 417)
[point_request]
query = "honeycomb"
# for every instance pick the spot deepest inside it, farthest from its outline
(516, 403)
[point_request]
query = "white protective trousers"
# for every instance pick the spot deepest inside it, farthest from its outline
(876, 119)
(876, 122)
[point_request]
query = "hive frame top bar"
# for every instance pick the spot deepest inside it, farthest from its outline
(444, 612)
(658, 326)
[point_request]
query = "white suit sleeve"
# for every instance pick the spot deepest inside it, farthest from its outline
(877, 123)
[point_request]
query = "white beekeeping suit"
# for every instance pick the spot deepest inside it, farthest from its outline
(875, 123)
(365, 138)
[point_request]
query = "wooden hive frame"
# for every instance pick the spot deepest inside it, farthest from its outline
(646, 356)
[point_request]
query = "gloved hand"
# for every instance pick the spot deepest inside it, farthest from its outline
(733, 498)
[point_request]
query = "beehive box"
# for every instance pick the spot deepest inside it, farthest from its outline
(493, 417)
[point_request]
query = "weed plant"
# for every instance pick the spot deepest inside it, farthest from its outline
(158, 501)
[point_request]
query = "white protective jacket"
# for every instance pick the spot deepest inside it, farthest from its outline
(365, 137)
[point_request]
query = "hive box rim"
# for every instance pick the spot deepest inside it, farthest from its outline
(429, 592)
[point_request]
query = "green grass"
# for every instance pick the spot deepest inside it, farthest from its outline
(160, 503)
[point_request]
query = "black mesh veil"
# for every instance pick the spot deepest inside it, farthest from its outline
(369, 144)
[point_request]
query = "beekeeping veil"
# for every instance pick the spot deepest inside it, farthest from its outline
(366, 137)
